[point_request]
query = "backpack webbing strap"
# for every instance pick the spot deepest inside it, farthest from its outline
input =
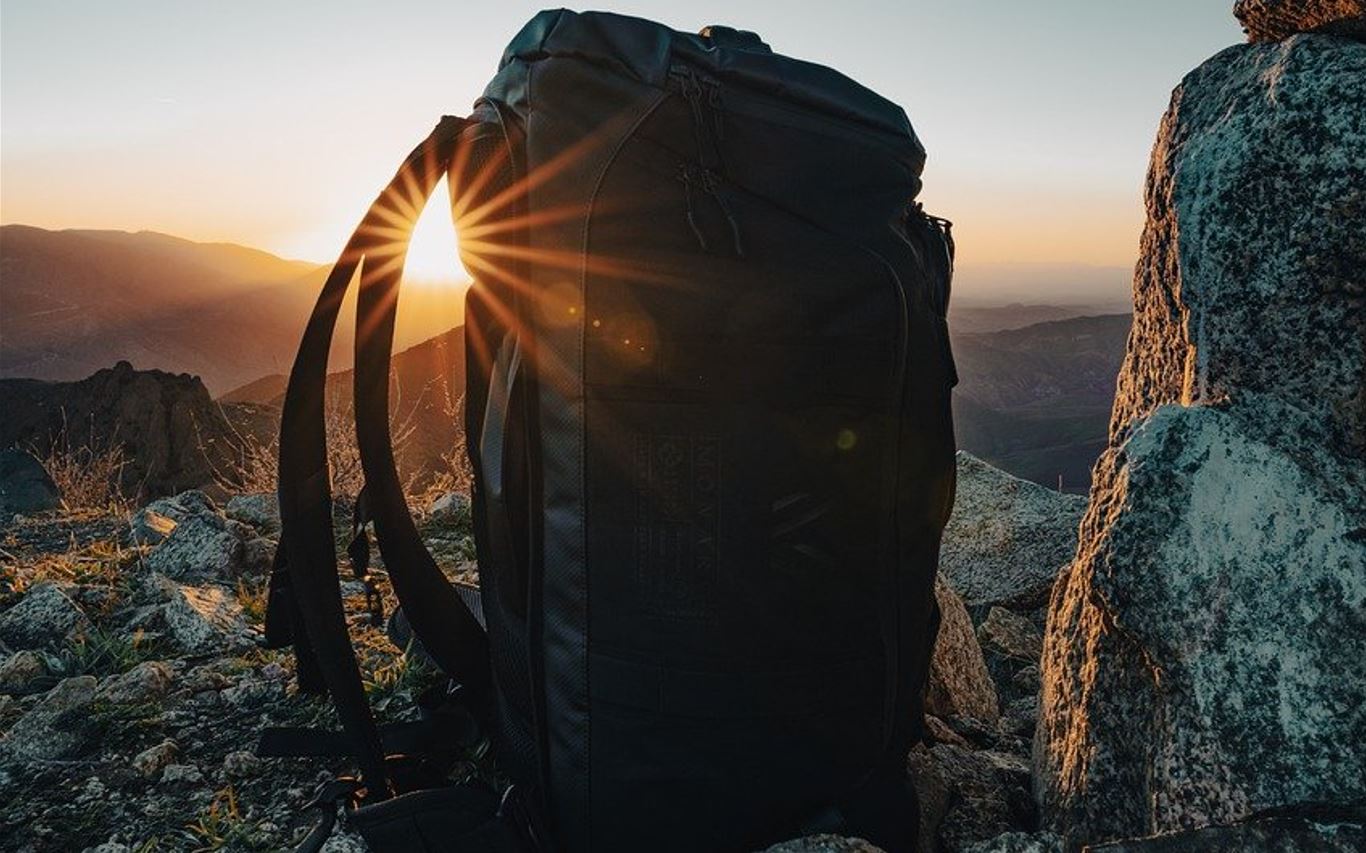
(448, 630)
(307, 594)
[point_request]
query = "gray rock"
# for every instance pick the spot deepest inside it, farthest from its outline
(261, 511)
(970, 796)
(1018, 842)
(181, 774)
(1007, 538)
(342, 841)
(253, 693)
(241, 764)
(824, 844)
(151, 524)
(207, 546)
(149, 681)
(25, 487)
(1273, 20)
(43, 618)
(20, 670)
(1010, 634)
(53, 729)
(151, 761)
(959, 682)
(205, 619)
(1274, 835)
(450, 505)
(1206, 653)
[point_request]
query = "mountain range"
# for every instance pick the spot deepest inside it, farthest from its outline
(76, 301)
(1036, 380)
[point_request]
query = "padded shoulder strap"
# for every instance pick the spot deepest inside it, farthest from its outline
(309, 586)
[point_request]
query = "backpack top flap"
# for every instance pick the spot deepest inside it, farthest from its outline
(645, 50)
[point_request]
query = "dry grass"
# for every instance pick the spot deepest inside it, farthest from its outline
(89, 477)
(256, 466)
(455, 473)
(104, 562)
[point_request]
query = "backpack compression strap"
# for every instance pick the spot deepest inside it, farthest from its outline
(305, 593)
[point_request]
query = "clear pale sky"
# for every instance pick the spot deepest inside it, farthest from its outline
(273, 123)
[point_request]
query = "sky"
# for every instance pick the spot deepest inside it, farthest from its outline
(273, 124)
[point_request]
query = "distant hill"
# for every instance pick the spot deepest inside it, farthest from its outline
(267, 389)
(1035, 401)
(971, 319)
(77, 301)
(427, 384)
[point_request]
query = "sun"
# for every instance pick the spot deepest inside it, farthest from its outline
(432, 255)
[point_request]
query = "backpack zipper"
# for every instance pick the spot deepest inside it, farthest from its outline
(703, 95)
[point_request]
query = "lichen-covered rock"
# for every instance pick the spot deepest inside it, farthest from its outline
(1205, 657)
(261, 511)
(43, 618)
(1018, 842)
(824, 844)
(969, 796)
(208, 546)
(1273, 20)
(151, 524)
(53, 728)
(1007, 538)
(1008, 633)
(181, 774)
(20, 670)
(149, 681)
(152, 760)
(25, 486)
(452, 505)
(1323, 834)
(205, 619)
(959, 683)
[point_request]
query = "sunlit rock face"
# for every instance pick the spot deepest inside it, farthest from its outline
(1205, 658)
(1273, 20)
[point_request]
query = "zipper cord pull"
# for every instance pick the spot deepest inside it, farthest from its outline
(718, 110)
(711, 184)
(686, 177)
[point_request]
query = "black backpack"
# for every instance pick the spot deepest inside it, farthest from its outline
(708, 411)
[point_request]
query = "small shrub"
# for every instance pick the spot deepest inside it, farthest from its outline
(99, 652)
(222, 826)
(89, 476)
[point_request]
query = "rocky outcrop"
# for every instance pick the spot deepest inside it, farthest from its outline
(1205, 657)
(24, 486)
(1273, 20)
(1007, 538)
(173, 436)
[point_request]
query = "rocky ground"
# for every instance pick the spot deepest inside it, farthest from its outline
(133, 682)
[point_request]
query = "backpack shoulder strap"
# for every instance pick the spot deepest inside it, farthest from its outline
(447, 628)
(305, 605)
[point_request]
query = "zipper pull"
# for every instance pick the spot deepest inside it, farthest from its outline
(686, 177)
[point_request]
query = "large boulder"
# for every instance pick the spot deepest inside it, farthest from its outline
(1007, 538)
(1273, 20)
(960, 685)
(1326, 834)
(1205, 657)
(25, 486)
